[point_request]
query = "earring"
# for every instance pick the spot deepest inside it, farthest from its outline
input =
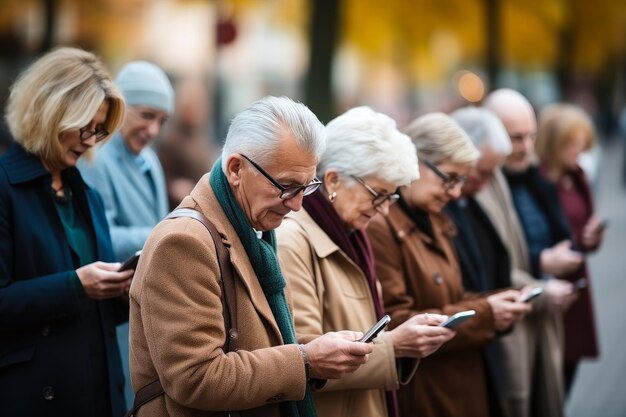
(332, 197)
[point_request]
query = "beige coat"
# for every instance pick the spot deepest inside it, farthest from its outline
(177, 325)
(330, 293)
(537, 333)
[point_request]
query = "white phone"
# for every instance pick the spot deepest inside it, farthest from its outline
(458, 318)
(528, 297)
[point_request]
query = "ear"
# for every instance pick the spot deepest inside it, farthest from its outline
(332, 181)
(234, 168)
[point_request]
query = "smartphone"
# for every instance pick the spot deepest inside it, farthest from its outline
(377, 328)
(603, 225)
(528, 297)
(130, 263)
(458, 318)
(580, 284)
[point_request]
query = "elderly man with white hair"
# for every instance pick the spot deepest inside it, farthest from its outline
(525, 209)
(483, 256)
(184, 316)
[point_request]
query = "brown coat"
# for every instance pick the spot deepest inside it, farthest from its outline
(331, 293)
(420, 275)
(177, 325)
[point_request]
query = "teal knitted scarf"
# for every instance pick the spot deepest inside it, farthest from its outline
(262, 256)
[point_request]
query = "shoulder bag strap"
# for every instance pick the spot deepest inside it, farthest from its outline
(154, 389)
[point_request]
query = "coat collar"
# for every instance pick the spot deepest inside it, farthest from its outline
(22, 166)
(402, 226)
(322, 244)
(203, 198)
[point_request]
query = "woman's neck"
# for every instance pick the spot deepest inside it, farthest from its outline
(57, 179)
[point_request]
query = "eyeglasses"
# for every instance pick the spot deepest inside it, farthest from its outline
(287, 192)
(449, 180)
(379, 198)
(86, 134)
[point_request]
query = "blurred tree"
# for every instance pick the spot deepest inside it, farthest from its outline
(323, 41)
(50, 14)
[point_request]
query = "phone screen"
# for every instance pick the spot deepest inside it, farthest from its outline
(527, 298)
(458, 318)
(377, 328)
(130, 263)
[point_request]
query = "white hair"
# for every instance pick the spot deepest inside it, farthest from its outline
(437, 138)
(256, 131)
(484, 129)
(362, 142)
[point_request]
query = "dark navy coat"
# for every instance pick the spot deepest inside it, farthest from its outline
(45, 360)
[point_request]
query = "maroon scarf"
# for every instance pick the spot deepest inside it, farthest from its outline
(355, 243)
(357, 246)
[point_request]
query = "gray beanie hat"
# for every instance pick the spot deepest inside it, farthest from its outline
(143, 83)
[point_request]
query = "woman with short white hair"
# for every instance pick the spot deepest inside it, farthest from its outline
(327, 261)
(419, 272)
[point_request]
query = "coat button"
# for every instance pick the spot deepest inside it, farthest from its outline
(47, 393)
(45, 331)
(438, 278)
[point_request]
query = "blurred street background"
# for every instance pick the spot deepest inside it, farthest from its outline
(401, 57)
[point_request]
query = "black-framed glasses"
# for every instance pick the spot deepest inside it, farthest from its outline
(287, 192)
(449, 180)
(379, 198)
(86, 134)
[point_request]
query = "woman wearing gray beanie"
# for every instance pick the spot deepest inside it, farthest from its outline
(127, 172)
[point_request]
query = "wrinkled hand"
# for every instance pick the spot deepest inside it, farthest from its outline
(593, 233)
(560, 259)
(100, 280)
(420, 336)
(506, 310)
(560, 294)
(336, 354)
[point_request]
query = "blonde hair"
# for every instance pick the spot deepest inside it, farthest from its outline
(557, 123)
(59, 92)
(438, 138)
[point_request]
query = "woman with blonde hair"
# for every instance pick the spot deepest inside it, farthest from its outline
(59, 295)
(328, 263)
(565, 131)
(418, 268)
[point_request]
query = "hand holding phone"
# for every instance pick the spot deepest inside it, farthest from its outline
(377, 328)
(130, 263)
(528, 297)
(458, 318)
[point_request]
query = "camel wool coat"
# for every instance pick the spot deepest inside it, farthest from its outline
(331, 293)
(177, 326)
(421, 275)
